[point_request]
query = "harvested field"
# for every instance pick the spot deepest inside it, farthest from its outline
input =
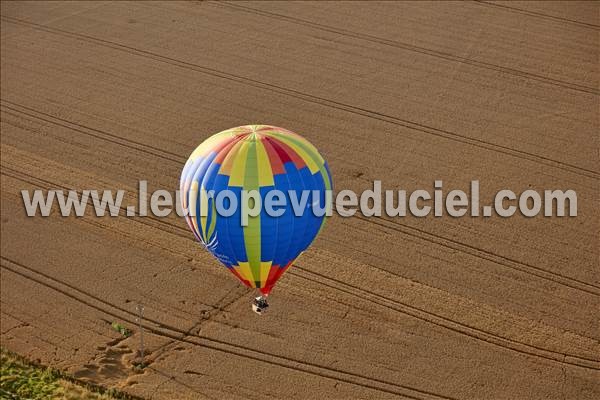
(99, 95)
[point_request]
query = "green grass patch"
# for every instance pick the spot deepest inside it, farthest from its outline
(21, 379)
(121, 329)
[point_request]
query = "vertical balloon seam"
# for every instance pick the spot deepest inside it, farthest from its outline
(195, 199)
(297, 249)
(277, 255)
(231, 148)
(302, 245)
(265, 179)
(251, 231)
(242, 267)
(280, 152)
(274, 156)
(203, 191)
(225, 151)
(288, 256)
(225, 240)
(208, 181)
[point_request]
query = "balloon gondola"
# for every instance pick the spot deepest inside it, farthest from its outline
(260, 304)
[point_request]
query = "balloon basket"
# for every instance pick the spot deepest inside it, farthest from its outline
(260, 305)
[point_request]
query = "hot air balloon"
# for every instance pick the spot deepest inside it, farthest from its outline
(258, 158)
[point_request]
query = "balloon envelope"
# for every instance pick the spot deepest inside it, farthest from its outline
(261, 158)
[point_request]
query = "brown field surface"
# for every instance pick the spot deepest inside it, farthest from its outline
(98, 95)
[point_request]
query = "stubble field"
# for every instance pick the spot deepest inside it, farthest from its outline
(98, 95)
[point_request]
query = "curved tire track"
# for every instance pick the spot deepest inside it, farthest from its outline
(181, 335)
(437, 132)
(412, 48)
(537, 14)
(443, 322)
(420, 234)
(384, 301)
(498, 259)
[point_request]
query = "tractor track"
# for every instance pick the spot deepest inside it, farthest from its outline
(443, 322)
(498, 259)
(537, 14)
(430, 130)
(98, 100)
(372, 297)
(412, 48)
(181, 335)
(507, 262)
(95, 133)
